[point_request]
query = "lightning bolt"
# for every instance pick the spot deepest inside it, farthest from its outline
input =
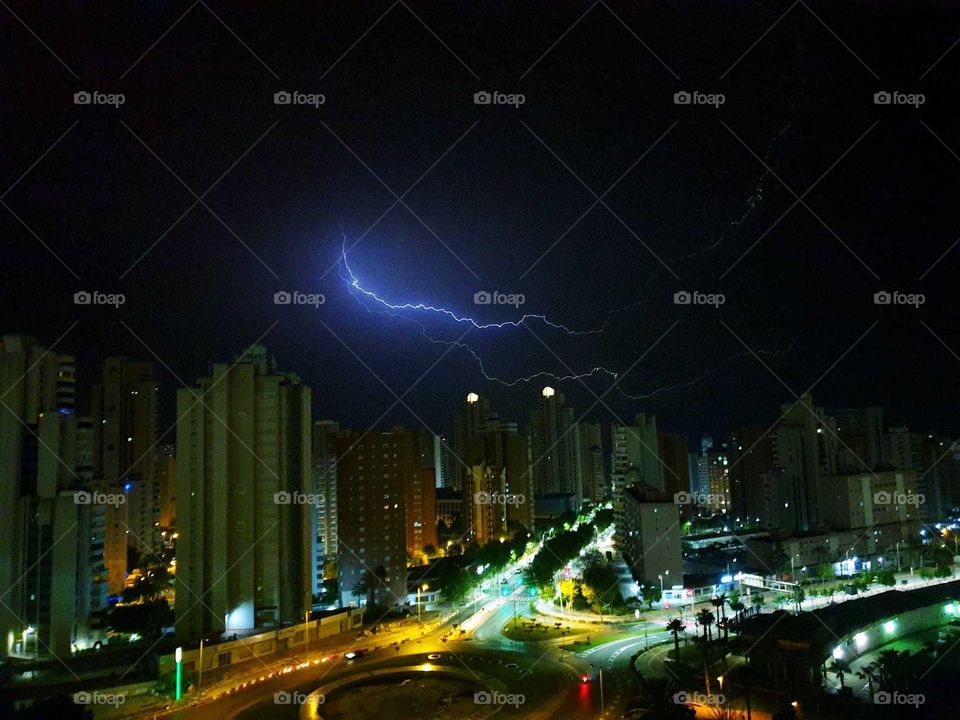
(396, 310)
(354, 282)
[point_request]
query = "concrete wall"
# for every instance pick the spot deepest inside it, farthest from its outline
(870, 637)
(224, 654)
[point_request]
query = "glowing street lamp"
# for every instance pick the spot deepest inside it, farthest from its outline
(178, 656)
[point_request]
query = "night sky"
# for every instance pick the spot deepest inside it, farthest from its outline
(494, 198)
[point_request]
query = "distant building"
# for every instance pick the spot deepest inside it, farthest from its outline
(751, 462)
(243, 510)
(591, 461)
(386, 509)
(498, 492)
(449, 506)
(804, 449)
(718, 480)
(934, 460)
(863, 500)
(469, 423)
(554, 446)
(649, 535)
(51, 545)
(674, 452)
(860, 432)
(324, 520)
(635, 459)
(554, 505)
(636, 447)
(167, 483)
(124, 410)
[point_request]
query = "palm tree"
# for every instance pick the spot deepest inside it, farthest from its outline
(869, 673)
(839, 669)
(706, 619)
(737, 607)
(676, 627)
(757, 602)
(657, 702)
(718, 601)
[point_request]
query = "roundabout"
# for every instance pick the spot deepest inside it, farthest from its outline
(425, 690)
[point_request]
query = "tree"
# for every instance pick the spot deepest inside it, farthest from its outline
(676, 627)
(430, 551)
(706, 618)
(454, 582)
(798, 597)
(657, 701)
(147, 619)
(651, 594)
(839, 669)
(869, 673)
(738, 607)
(718, 601)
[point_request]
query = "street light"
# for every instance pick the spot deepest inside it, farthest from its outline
(419, 621)
(178, 656)
(306, 632)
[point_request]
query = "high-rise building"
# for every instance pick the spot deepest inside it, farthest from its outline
(243, 512)
(649, 535)
(635, 454)
(167, 482)
(554, 446)
(124, 410)
(863, 500)
(470, 422)
(51, 524)
(718, 480)
(375, 472)
(446, 462)
(860, 434)
(591, 461)
(931, 457)
(674, 452)
(323, 531)
(804, 448)
(751, 462)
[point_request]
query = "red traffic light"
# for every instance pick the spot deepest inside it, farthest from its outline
(585, 678)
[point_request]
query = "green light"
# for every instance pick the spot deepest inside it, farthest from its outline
(889, 626)
(951, 608)
(178, 656)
